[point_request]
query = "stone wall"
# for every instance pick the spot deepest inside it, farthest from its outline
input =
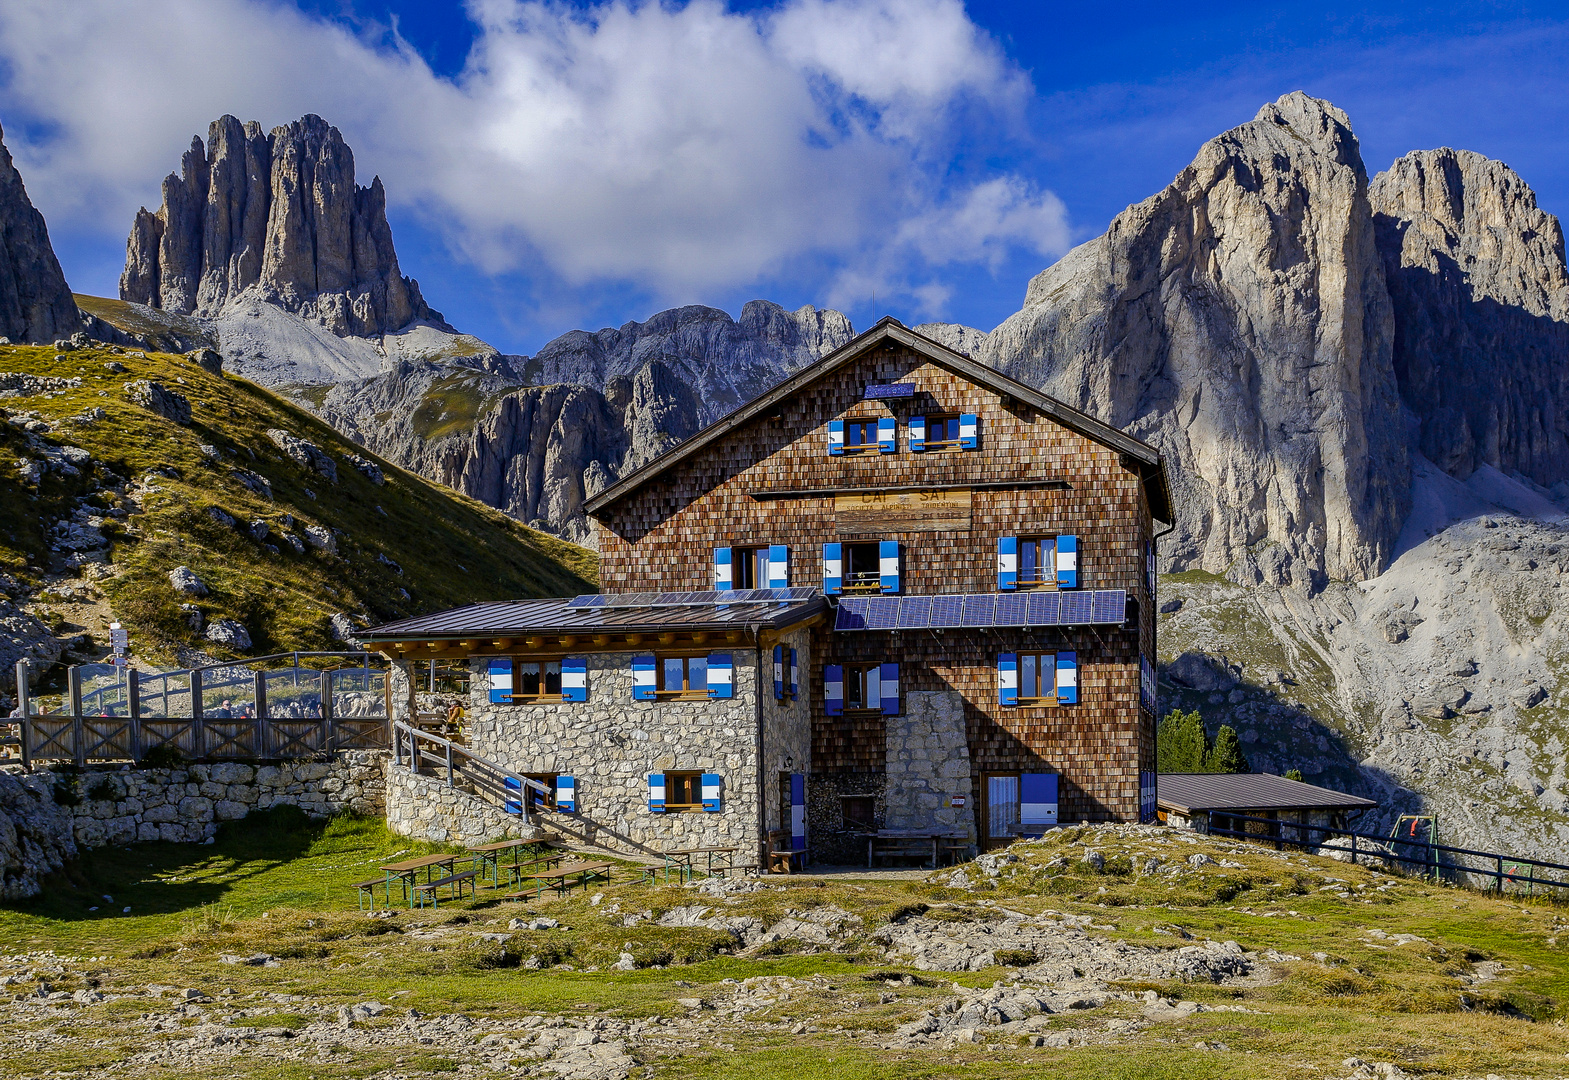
(425, 808)
(928, 764)
(188, 804)
(830, 840)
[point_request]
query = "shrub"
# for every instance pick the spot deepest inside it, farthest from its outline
(163, 756)
(1015, 957)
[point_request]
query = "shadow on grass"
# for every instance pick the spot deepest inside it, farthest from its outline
(165, 878)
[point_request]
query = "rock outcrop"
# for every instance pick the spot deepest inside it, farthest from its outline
(1481, 303)
(1239, 321)
(276, 216)
(35, 302)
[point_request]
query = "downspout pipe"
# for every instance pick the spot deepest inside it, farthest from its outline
(1154, 618)
(762, 764)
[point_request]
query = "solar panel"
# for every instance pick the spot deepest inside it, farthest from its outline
(978, 609)
(1075, 608)
(1012, 610)
(692, 599)
(915, 612)
(1043, 609)
(852, 614)
(1107, 606)
(946, 610)
(882, 613)
(587, 600)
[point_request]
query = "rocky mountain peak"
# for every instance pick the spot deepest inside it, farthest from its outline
(1481, 293)
(35, 302)
(278, 217)
(1239, 321)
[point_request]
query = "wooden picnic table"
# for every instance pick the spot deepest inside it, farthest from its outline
(408, 870)
(905, 841)
(490, 855)
(682, 860)
(562, 879)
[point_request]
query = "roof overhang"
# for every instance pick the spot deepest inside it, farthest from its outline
(1241, 793)
(1139, 455)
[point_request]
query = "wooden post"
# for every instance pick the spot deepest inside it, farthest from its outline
(1353, 849)
(1498, 874)
(449, 763)
(73, 681)
(329, 728)
(24, 708)
(198, 732)
(397, 746)
(133, 710)
(263, 729)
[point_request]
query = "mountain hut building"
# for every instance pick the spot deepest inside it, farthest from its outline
(897, 594)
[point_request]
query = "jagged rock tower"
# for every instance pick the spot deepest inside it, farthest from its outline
(278, 215)
(35, 302)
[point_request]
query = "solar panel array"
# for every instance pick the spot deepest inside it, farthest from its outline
(1101, 607)
(691, 599)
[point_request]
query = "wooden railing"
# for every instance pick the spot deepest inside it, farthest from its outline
(92, 727)
(421, 752)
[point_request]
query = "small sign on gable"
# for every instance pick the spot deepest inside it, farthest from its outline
(887, 391)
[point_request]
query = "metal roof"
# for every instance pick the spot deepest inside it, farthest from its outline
(515, 618)
(1186, 792)
(1151, 468)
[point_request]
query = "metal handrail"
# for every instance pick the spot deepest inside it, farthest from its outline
(481, 771)
(1430, 850)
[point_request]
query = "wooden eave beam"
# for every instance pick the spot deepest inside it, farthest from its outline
(824, 493)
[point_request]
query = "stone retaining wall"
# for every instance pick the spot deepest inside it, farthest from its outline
(425, 808)
(187, 805)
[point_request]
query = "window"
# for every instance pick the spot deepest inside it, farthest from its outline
(860, 436)
(864, 572)
(1037, 678)
(858, 811)
(751, 568)
(542, 800)
(537, 680)
(1037, 562)
(1002, 806)
(683, 791)
(863, 687)
(683, 677)
(942, 432)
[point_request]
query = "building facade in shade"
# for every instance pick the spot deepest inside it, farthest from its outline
(959, 636)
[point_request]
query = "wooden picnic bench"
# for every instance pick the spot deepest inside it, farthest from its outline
(906, 843)
(565, 877)
(407, 871)
(455, 881)
(782, 858)
(368, 889)
(540, 855)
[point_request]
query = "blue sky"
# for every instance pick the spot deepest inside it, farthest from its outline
(552, 167)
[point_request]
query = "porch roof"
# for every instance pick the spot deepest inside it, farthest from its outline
(1239, 792)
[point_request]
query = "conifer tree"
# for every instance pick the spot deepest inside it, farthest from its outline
(1294, 774)
(1180, 743)
(1226, 755)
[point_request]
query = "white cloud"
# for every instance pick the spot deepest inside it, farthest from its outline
(679, 148)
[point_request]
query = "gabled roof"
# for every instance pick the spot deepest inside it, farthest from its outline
(888, 328)
(515, 618)
(1186, 792)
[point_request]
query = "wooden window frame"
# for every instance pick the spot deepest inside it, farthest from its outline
(848, 585)
(844, 818)
(696, 778)
(987, 839)
(1037, 702)
(519, 698)
(860, 669)
(747, 557)
(941, 445)
(685, 693)
(1049, 584)
(862, 447)
(549, 780)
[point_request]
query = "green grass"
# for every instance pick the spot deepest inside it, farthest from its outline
(133, 319)
(279, 883)
(452, 550)
(452, 405)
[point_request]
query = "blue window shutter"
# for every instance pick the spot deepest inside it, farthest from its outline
(888, 564)
(969, 431)
(887, 435)
(918, 434)
(1007, 563)
(797, 812)
(574, 678)
(795, 675)
(1008, 678)
(1038, 799)
(501, 682)
(779, 673)
(720, 675)
(833, 689)
(566, 795)
(833, 569)
(1147, 797)
(512, 804)
(643, 678)
(836, 437)
(656, 792)
(1067, 678)
(888, 683)
(779, 566)
(724, 570)
(711, 792)
(1067, 562)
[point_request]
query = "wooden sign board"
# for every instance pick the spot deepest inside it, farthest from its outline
(903, 511)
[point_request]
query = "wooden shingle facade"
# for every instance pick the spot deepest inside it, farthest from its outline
(807, 473)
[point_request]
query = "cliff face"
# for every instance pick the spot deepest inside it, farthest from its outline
(1481, 301)
(277, 216)
(35, 302)
(1239, 321)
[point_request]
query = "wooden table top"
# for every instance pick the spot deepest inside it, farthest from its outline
(504, 845)
(912, 834)
(576, 869)
(419, 863)
(699, 850)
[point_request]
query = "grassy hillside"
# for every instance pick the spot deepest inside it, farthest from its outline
(153, 489)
